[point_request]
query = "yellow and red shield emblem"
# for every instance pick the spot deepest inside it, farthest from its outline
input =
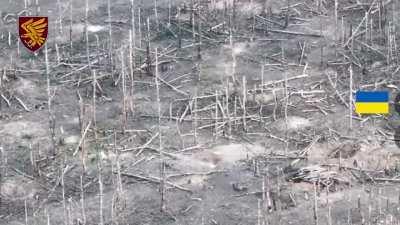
(33, 31)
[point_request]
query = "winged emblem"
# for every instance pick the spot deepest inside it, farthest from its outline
(33, 31)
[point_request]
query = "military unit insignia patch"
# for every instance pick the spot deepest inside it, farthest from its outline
(33, 31)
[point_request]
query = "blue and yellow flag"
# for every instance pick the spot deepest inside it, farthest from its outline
(372, 102)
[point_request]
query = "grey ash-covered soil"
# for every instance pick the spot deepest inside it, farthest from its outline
(294, 158)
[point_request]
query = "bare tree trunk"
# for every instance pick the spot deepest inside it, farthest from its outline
(133, 31)
(64, 202)
(2, 170)
(110, 43)
(87, 35)
(70, 26)
(82, 126)
(194, 112)
(287, 16)
(216, 117)
(287, 96)
(179, 29)
(37, 7)
(52, 122)
(156, 15)
(234, 61)
(140, 27)
(199, 42)
(57, 53)
(169, 13)
(336, 26)
(124, 114)
(119, 180)
(83, 211)
(148, 58)
(228, 112)
(315, 211)
(26, 213)
(60, 14)
(244, 103)
(2, 75)
(351, 97)
(162, 162)
(101, 221)
(48, 217)
(192, 19)
(94, 100)
(131, 70)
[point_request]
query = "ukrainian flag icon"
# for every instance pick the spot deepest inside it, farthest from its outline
(372, 102)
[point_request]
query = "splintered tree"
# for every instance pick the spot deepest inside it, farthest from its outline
(203, 109)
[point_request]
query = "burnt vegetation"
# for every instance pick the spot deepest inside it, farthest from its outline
(199, 112)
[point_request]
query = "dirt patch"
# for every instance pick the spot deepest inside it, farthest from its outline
(243, 116)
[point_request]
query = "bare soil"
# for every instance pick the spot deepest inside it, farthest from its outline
(291, 156)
